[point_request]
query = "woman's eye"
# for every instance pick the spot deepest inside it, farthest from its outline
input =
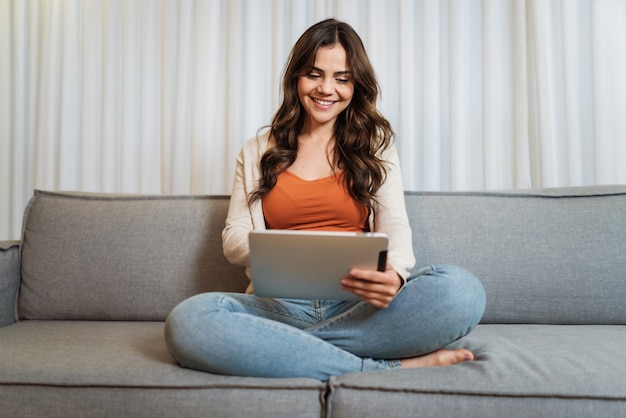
(342, 80)
(313, 75)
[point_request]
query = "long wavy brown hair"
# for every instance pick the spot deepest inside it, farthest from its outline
(361, 132)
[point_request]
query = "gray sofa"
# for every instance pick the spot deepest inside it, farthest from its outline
(84, 293)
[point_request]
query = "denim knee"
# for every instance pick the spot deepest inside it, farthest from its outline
(174, 331)
(180, 327)
(463, 290)
(469, 288)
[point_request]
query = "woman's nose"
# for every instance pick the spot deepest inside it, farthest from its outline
(326, 86)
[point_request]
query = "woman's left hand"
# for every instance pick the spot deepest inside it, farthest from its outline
(375, 287)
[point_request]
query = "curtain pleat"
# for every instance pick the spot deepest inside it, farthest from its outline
(143, 96)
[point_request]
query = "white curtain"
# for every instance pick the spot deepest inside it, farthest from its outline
(145, 96)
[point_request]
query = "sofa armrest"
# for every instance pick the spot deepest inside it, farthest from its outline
(9, 281)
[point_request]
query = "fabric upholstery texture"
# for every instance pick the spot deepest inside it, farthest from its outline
(121, 257)
(576, 368)
(552, 256)
(100, 272)
(136, 402)
(9, 280)
(533, 370)
(134, 258)
(120, 368)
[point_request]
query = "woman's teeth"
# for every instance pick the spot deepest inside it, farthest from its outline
(323, 102)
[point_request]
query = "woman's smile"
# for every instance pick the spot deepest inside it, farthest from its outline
(323, 103)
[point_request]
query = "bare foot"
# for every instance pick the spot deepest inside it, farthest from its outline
(438, 358)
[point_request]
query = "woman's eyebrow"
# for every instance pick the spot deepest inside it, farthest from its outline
(336, 73)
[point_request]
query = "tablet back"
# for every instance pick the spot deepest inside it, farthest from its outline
(310, 265)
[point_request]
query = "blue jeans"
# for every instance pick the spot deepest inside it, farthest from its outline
(245, 335)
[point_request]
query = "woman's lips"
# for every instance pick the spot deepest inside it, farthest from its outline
(325, 103)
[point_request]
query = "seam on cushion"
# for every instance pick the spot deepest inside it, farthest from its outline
(124, 197)
(444, 392)
(328, 397)
(539, 194)
(322, 389)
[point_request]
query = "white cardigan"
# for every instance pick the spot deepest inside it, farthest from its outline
(391, 217)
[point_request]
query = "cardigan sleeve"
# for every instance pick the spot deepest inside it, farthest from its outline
(244, 217)
(391, 217)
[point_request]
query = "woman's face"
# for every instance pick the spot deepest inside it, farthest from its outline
(327, 89)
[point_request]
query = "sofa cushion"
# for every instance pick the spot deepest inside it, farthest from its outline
(544, 256)
(106, 257)
(9, 280)
(534, 370)
(73, 368)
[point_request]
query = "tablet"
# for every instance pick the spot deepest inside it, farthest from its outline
(310, 264)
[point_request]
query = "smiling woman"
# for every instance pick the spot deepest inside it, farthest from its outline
(328, 119)
(329, 136)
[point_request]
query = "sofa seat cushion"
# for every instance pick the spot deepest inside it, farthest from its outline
(534, 370)
(124, 369)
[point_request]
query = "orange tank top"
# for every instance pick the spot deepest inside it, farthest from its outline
(322, 204)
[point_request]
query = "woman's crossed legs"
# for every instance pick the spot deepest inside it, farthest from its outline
(244, 335)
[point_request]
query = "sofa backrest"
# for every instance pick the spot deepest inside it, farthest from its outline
(94, 256)
(545, 256)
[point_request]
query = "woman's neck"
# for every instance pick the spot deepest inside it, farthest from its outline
(315, 158)
(320, 133)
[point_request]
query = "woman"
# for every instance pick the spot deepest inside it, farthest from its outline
(327, 162)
